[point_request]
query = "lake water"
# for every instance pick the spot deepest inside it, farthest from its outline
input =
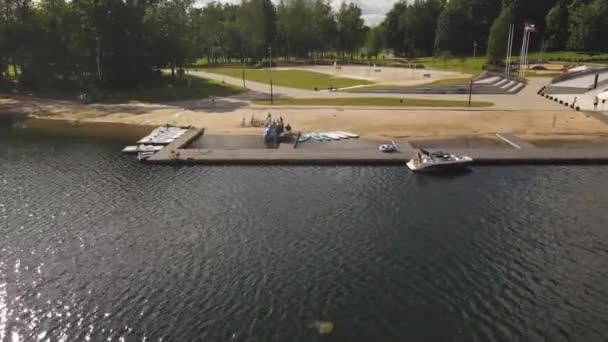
(95, 246)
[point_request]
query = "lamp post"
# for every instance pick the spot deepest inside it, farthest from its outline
(270, 53)
(474, 49)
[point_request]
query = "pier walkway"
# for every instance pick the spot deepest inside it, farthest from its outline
(176, 153)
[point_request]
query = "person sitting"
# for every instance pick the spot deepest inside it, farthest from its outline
(288, 128)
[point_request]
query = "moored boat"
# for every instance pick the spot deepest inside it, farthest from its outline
(438, 162)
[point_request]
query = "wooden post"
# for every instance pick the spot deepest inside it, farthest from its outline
(295, 145)
(244, 79)
(597, 76)
(271, 93)
(470, 91)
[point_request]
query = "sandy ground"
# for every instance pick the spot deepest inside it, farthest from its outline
(385, 75)
(370, 123)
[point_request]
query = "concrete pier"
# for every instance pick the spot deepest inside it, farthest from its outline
(178, 153)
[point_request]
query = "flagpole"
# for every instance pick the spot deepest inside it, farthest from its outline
(512, 31)
(508, 52)
(521, 53)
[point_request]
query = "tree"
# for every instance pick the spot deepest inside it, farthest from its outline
(588, 27)
(556, 32)
(464, 22)
(351, 29)
(257, 22)
(499, 35)
(296, 29)
(374, 41)
(168, 24)
(394, 36)
(418, 26)
(325, 30)
(453, 28)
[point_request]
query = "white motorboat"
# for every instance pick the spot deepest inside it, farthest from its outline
(438, 161)
(141, 156)
(142, 148)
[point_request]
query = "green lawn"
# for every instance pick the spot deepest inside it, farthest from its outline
(467, 65)
(290, 78)
(565, 56)
(11, 70)
(373, 102)
(549, 74)
(167, 90)
(446, 82)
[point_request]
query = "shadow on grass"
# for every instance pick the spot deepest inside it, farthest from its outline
(169, 89)
(162, 90)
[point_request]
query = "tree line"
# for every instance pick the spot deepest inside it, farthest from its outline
(427, 27)
(127, 42)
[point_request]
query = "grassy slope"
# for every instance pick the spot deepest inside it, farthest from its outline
(373, 102)
(290, 78)
(468, 65)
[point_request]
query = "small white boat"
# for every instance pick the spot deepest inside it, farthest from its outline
(348, 134)
(144, 155)
(142, 148)
(438, 161)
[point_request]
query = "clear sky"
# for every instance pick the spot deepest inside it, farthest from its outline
(373, 10)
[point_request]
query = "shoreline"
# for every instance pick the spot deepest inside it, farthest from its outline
(561, 127)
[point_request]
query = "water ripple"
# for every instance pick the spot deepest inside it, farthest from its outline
(97, 246)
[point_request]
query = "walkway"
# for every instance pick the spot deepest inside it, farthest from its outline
(527, 99)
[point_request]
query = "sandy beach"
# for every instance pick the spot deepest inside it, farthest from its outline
(368, 122)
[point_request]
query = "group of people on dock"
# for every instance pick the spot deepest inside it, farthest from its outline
(278, 126)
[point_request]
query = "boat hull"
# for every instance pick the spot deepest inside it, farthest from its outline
(439, 167)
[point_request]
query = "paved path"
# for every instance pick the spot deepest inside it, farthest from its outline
(527, 99)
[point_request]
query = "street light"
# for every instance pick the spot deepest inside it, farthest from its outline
(475, 49)
(270, 53)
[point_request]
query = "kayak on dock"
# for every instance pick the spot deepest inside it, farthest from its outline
(348, 134)
(316, 137)
(304, 138)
